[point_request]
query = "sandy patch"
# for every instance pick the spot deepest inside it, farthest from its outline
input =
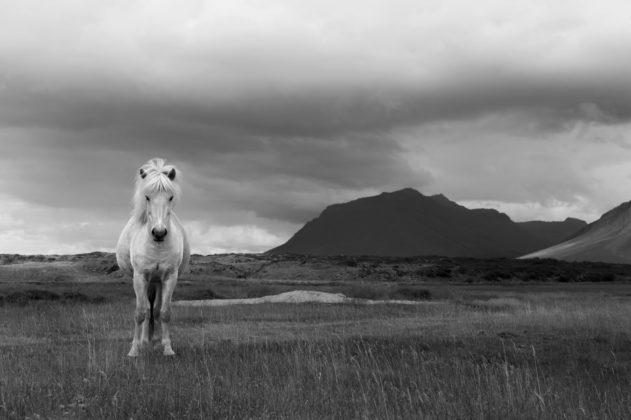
(295, 296)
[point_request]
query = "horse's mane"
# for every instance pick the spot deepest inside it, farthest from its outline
(156, 179)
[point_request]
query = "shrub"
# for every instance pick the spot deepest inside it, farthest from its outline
(351, 263)
(442, 272)
(22, 298)
(361, 291)
(25, 297)
(413, 293)
(260, 290)
(68, 297)
(600, 277)
(496, 275)
(207, 294)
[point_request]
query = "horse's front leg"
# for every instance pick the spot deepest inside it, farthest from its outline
(168, 286)
(141, 313)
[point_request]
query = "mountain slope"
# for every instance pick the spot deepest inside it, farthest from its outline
(407, 223)
(553, 232)
(606, 240)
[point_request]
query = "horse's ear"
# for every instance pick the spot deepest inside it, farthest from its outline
(143, 174)
(171, 174)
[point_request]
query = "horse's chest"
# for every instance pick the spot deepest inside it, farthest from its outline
(154, 262)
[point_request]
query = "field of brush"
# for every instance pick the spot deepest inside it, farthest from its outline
(465, 350)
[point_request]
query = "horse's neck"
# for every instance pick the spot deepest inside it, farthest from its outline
(140, 217)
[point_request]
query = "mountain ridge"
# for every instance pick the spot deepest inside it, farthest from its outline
(408, 223)
(607, 239)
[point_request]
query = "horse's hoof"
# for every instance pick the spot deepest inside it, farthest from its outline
(133, 353)
(168, 351)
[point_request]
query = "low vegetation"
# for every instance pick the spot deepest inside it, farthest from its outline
(486, 339)
(479, 354)
(301, 268)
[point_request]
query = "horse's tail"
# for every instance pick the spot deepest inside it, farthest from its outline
(151, 294)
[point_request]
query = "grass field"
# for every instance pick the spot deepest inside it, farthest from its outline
(554, 351)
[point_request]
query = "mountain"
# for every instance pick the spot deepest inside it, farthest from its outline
(553, 232)
(408, 223)
(608, 239)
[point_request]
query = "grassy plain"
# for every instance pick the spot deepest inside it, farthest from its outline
(485, 351)
(487, 339)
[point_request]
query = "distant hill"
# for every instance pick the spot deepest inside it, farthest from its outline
(554, 232)
(608, 239)
(408, 223)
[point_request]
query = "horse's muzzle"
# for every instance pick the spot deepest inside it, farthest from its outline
(159, 233)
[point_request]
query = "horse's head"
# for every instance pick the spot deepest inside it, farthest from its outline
(156, 195)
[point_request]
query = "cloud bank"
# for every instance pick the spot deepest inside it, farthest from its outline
(273, 112)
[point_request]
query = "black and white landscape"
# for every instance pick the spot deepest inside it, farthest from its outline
(395, 209)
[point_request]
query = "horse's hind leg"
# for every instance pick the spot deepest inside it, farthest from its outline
(148, 325)
(141, 313)
(165, 312)
(157, 306)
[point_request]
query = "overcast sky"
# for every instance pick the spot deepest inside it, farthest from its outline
(274, 110)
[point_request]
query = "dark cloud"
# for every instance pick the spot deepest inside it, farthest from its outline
(322, 112)
(198, 76)
(274, 112)
(266, 176)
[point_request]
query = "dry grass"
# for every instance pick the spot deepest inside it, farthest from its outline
(490, 355)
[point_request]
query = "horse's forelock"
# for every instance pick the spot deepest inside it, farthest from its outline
(154, 178)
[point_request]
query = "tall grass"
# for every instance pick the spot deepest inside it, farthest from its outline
(526, 356)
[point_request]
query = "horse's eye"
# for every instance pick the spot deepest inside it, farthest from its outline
(147, 197)
(171, 199)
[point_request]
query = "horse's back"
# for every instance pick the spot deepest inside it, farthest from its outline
(186, 250)
(123, 254)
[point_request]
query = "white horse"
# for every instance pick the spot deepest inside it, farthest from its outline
(153, 248)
